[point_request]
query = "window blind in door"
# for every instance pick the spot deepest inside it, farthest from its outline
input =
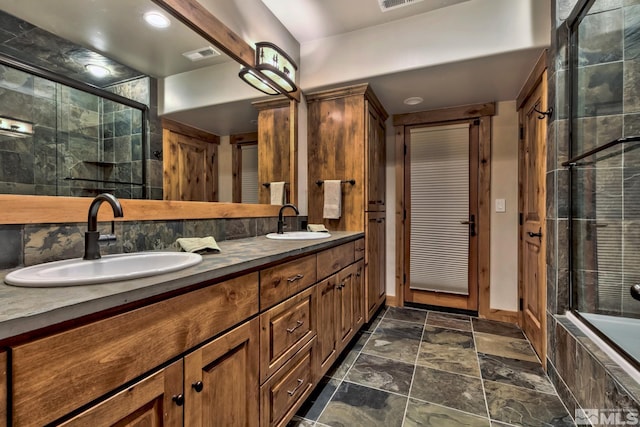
(439, 243)
(249, 173)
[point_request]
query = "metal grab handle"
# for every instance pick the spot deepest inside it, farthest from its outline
(298, 324)
(538, 234)
(300, 382)
(635, 291)
(296, 277)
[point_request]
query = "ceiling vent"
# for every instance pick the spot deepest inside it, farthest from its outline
(386, 5)
(202, 53)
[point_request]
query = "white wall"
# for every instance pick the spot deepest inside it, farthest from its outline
(504, 226)
(479, 28)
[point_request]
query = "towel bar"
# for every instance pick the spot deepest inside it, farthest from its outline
(347, 181)
(268, 184)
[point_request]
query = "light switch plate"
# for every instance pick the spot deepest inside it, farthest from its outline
(501, 205)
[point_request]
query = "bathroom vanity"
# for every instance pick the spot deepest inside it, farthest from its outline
(241, 339)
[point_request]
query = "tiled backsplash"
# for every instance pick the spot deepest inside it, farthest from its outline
(29, 244)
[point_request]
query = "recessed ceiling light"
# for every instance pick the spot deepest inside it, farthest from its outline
(97, 70)
(414, 100)
(156, 19)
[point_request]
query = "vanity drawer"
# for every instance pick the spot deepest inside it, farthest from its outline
(335, 259)
(359, 249)
(285, 329)
(287, 389)
(282, 281)
(54, 375)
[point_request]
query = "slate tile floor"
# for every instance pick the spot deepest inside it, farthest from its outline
(417, 368)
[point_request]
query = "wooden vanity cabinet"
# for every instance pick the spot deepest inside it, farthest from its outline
(221, 385)
(347, 140)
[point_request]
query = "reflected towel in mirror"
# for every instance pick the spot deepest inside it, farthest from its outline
(277, 193)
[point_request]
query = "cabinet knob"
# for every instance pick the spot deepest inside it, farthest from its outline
(178, 399)
(198, 386)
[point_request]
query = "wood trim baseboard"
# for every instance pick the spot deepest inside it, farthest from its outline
(392, 301)
(503, 316)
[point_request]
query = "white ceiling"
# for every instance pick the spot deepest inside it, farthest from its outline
(115, 28)
(310, 20)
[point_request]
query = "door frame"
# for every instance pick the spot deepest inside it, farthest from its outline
(402, 124)
(237, 142)
(538, 76)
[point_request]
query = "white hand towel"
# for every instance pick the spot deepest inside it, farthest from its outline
(277, 193)
(332, 199)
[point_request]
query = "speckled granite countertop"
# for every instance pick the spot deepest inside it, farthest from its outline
(28, 309)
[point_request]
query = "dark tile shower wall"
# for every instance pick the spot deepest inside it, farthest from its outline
(582, 374)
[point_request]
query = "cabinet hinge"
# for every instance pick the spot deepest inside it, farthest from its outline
(521, 220)
(476, 122)
(404, 214)
(405, 149)
(404, 278)
(521, 304)
(521, 133)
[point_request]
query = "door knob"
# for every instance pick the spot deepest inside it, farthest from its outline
(471, 223)
(635, 291)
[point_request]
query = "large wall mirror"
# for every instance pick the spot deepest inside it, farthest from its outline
(82, 142)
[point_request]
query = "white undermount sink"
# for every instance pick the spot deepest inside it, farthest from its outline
(109, 268)
(298, 235)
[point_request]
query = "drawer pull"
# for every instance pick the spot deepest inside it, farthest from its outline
(294, 278)
(198, 386)
(298, 324)
(292, 392)
(178, 399)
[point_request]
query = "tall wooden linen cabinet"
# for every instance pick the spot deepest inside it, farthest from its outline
(346, 141)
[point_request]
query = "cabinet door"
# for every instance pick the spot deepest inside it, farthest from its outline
(358, 296)
(327, 330)
(189, 168)
(344, 306)
(221, 380)
(375, 262)
(375, 154)
(154, 402)
(3, 389)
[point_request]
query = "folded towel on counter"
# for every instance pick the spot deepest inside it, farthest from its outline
(277, 193)
(196, 244)
(317, 227)
(332, 199)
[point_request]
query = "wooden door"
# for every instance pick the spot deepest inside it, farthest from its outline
(358, 296)
(448, 183)
(375, 153)
(344, 306)
(533, 208)
(221, 384)
(327, 330)
(156, 401)
(375, 264)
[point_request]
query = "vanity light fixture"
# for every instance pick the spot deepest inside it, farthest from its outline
(15, 128)
(156, 19)
(97, 70)
(257, 80)
(274, 73)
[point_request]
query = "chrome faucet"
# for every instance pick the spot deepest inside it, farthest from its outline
(281, 220)
(92, 236)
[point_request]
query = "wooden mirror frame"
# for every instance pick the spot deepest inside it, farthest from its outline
(19, 209)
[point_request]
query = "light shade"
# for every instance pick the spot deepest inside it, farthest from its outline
(274, 73)
(14, 127)
(276, 65)
(256, 80)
